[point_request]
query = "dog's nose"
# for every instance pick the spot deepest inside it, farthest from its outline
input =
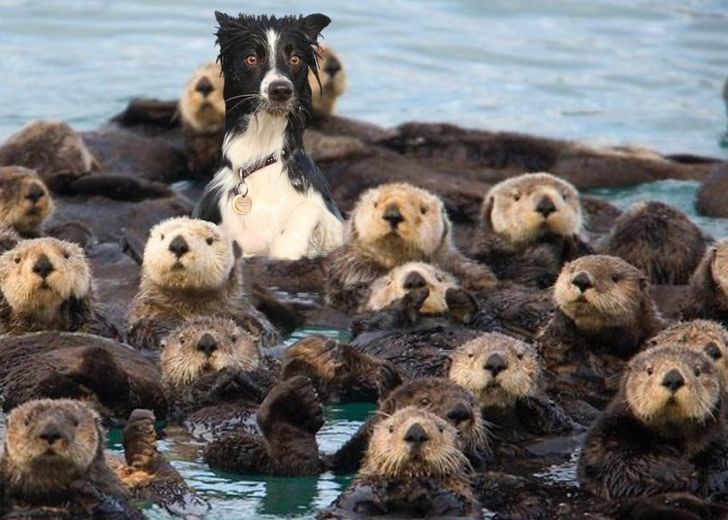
(582, 281)
(459, 414)
(393, 216)
(207, 344)
(280, 91)
(673, 380)
(50, 434)
(495, 364)
(414, 280)
(416, 435)
(35, 193)
(179, 246)
(332, 66)
(545, 206)
(204, 86)
(43, 266)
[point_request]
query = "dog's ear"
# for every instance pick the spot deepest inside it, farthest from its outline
(313, 24)
(223, 19)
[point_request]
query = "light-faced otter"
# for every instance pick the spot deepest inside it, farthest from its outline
(330, 84)
(658, 239)
(663, 431)
(413, 468)
(530, 227)
(52, 149)
(392, 225)
(46, 284)
(708, 292)
(190, 269)
(24, 200)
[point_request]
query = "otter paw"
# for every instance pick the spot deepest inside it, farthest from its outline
(294, 401)
(139, 438)
(461, 304)
(231, 383)
(412, 302)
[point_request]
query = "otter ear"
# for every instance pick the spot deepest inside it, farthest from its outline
(313, 24)
(237, 250)
(388, 406)
(487, 212)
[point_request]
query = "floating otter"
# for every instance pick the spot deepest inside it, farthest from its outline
(24, 200)
(658, 239)
(190, 269)
(330, 84)
(663, 432)
(413, 468)
(392, 225)
(529, 228)
(45, 284)
(712, 195)
(708, 292)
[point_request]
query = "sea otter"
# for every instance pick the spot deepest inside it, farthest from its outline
(24, 200)
(330, 84)
(708, 293)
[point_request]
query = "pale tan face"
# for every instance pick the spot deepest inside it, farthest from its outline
(599, 291)
(523, 208)
(206, 346)
(333, 81)
(24, 199)
(401, 217)
(719, 268)
(413, 275)
(202, 104)
(498, 369)
(185, 253)
(671, 383)
(38, 275)
(58, 435)
(413, 443)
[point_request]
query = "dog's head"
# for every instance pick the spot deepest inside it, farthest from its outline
(266, 61)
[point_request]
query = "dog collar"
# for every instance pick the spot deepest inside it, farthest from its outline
(244, 173)
(242, 204)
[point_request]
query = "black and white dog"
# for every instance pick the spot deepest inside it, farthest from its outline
(268, 195)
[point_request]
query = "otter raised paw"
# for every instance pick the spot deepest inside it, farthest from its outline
(708, 293)
(24, 200)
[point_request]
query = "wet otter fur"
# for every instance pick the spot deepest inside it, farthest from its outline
(708, 292)
(24, 200)
(330, 84)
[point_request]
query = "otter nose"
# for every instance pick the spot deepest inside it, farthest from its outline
(204, 86)
(280, 91)
(393, 216)
(416, 435)
(495, 364)
(179, 246)
(332, 66)
(673, 380)
(545, 206)
(459, 414)
(207, 344)
(35, 193)
(43, 266)
(582, 281)
(50, 434)
(414, 280)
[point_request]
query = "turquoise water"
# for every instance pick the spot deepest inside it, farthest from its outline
(638, 72)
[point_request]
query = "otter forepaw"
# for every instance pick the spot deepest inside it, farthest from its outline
(412, 302)
(461, 304)
(232, 383)
(140, 438)
(294, 401)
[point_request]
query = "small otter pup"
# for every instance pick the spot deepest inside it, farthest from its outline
(45, 284)
(658, 239)
(413, 468)
(190, 269)
(391, 225)
(330, 84)
(530, 227)
(708, 292)
(663, 431)
(24, 200)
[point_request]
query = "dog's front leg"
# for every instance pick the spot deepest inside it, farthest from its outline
(293, 241)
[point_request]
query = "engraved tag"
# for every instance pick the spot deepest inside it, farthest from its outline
(242, 204)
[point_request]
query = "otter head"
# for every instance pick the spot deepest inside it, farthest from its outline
(672, 384)
(414, 443)
(24, 199)
(331, 82)
(599, 291)
(410, 276)
(185, 253)
(50, 443)
(498, 369)
(716, 263)
(206, 345)
(447, 400)
(399, 222)
(202, 105)
(38, 275)
(524, 208)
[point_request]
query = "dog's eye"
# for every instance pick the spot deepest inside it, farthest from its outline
(423, 210)
(295, 60)
(251, 60)
(209, 241)
(616, 277)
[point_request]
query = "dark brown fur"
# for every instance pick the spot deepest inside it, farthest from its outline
(712, 196)
(705, 298)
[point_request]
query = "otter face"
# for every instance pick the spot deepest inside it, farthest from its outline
(38, 275)
(202, 105)
(669, 383)
(523, 208)
(51, 440)
(401, 218)
(203, 346)
(599, 291)
(719, 267)
(185, 253)
(498, 369)
(333, 81)
(413, 275)
(413, 443)
(24, 199)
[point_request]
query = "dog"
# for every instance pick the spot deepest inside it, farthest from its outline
(268, 195)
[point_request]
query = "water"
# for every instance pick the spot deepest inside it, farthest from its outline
(635, 72)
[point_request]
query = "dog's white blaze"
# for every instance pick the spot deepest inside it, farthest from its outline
(273, 74)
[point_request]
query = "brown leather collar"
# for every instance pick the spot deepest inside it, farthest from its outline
(250, 170)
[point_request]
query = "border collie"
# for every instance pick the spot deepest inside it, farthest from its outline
(268, 195)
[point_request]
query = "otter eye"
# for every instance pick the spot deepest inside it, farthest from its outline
(423, 210)
(161, 237)
(516, 196)
(251, 60)
(376, 205)
(27, 421)
(295, 60)
(391, 429)
(519, 355)
(441, 429)
(649, 371)
(697, 371)
(713, 351)
(17, 259)
(471, 355)
(424, 401)
(616, 277)
(209, 240)
(440, 278)
(66, 255)
(75, 422)
(233, 338)
(565, 195)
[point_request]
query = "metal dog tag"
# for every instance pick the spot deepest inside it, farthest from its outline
(242, 204)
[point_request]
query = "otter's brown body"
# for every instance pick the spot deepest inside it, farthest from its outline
(708, 293)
